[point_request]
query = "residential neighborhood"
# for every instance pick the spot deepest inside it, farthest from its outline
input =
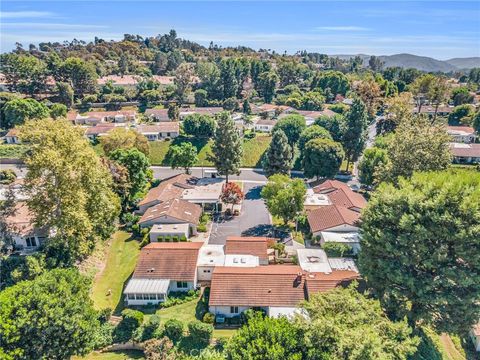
(210, 195)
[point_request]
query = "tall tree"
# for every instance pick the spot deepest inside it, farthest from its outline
(183, 81)
(417, 146)
(344, 324)
(438, 93)
(65, 93)
(183, 155)
(173, 112)
(421, 248)
(122, 138)
(421, 88)
(279, 155)
(17, 111)
(227, 146)
(369, 91)
(138, 167)
(266, 85)
(356, 123)
(334, 124)
(50, 317)
(292, 126)
(284, 196)
(375, 63)
(80, 74)
(68, 189)
(266, 339)
(322, 158)
(310, 133)
(372, 161)
(24, 73)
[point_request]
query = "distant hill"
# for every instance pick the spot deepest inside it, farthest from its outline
(465, 63)
(423, 63)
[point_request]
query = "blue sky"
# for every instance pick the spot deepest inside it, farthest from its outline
(441, 29)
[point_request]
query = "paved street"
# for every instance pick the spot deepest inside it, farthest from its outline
(253, 221)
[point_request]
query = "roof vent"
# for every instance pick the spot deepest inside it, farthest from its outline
(269, 291)
(235, 260)
(243, 260)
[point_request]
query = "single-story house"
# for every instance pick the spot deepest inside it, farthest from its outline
(351, 239)
(323, 273)
(465, 153)
(430, 110)
(265, 125)
(25, 235)
(271, 109)
(173, 211)
(332, 218)
(340, 194)
(276, 289)
(162, 268)
(160, 131)
(133, 80)
(157, 114)
(99, 130)
(169, 188)
(96, 117)
(206, 192)
(243, 245)
(169, 232)
(475, 334)
(12, 137)
(209, 257)
(212, 111)
(462, 134)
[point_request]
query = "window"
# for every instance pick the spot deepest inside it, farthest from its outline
(31, 241)
(182, 284)
(131, 296)
(233, 309)
(153, 297)
(168, 134)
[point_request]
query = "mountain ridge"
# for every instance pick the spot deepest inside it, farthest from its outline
(424, 63)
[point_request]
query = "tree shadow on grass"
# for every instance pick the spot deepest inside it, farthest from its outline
(427, 350)
(199, 144)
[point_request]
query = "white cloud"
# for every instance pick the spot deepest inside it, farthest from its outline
(25, 14)
(51, 26)
(342, 28)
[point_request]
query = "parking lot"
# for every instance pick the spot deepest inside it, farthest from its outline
(254, 219)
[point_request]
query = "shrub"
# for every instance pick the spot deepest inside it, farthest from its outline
(151, 328)
(183, 238)
(7, 176)
(132, 319)
(336, 249)
(104, 315)
(200, 331)
(103, 336)
(202, 228)
(175, 238)
(168, 238)
(174, 329)
(209, 318)
(145, 241)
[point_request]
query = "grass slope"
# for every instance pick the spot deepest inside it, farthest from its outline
(120, 263)
(117, 355)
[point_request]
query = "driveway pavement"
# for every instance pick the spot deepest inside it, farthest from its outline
(254, 219)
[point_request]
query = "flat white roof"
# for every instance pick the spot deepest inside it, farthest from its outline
(206, 189)
(211, 255)
(313, 260)
(169, 228)
(343, 264)
(345, 237)
(241, 260)
(147, 286)
(316, 199)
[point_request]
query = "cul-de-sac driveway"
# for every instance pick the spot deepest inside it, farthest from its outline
(254, 219)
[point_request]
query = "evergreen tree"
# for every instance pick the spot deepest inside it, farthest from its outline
(173, 112)
(356, 123)
(279, 155)
(227, 147)
(322, 158)
(247, 109)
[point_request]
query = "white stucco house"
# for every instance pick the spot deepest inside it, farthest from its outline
(163, 268)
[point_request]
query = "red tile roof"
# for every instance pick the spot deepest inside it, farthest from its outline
(271, 285)
(100, 129)
(347, 198)
(465, 150)
(321, 282)
(466, 129)
(328, 186)
(169, 188)
(12, 132)
(21, 222)
(329, 216)
(161, 127)
(176, 208)
(256, 246)
(174, 261)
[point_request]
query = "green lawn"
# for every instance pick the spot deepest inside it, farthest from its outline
(120, 263)
(186, 313)
(12, 151)
(117, 355)
(253, 150)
